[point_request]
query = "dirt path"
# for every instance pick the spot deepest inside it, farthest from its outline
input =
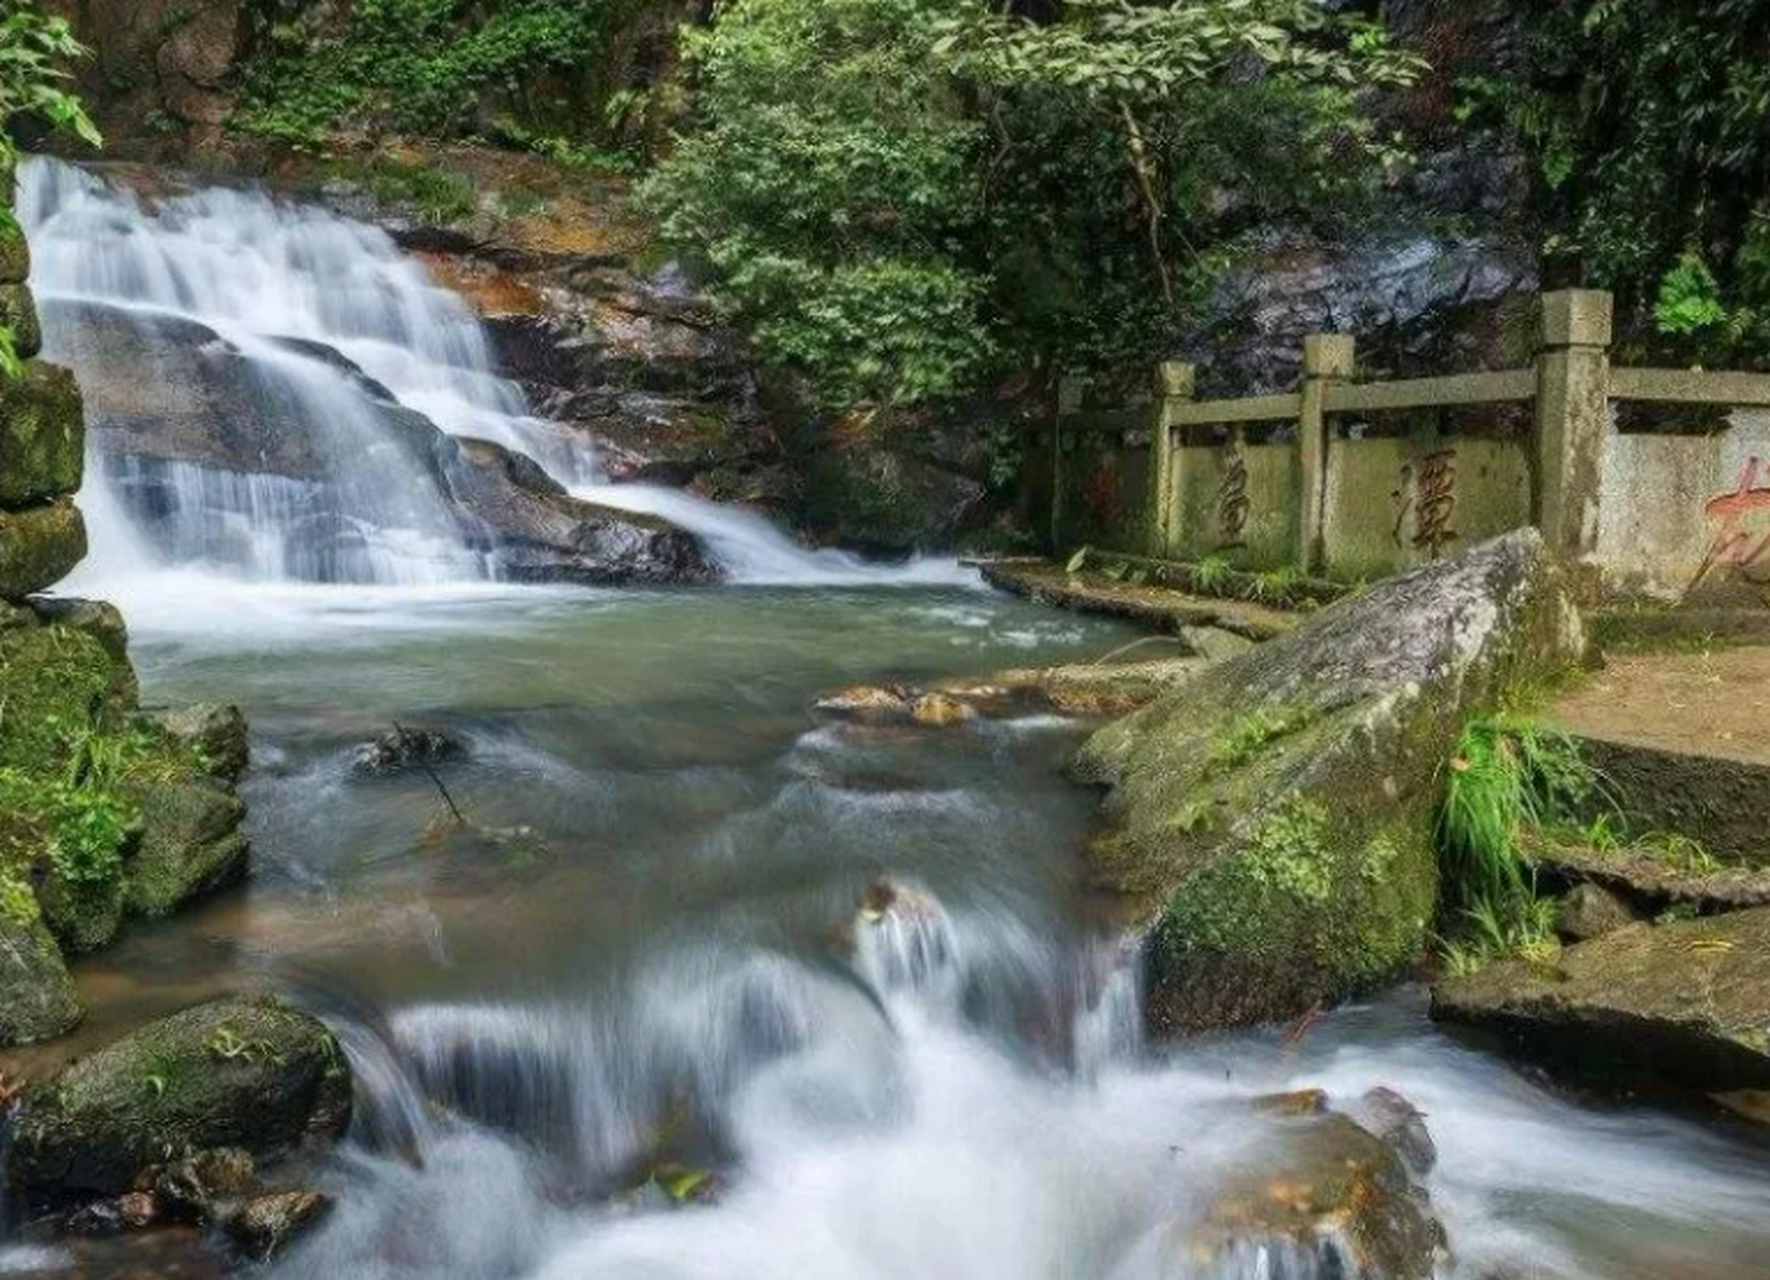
(1705, 704)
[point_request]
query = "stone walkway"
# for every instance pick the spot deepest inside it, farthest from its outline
(1684, 741)
(1163, 608)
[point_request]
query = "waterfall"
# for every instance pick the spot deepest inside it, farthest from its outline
(261, 377)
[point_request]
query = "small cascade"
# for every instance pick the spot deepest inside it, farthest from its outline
(262, 378)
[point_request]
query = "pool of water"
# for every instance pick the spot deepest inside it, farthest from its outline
(669, 952)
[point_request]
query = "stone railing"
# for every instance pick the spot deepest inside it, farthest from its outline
(1651, 477)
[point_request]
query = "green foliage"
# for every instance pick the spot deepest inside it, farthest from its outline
(34, 53)
(419, 66)
(1507, 773)
(901, 199)
(1645, 121)
(1247, 736)
(1689, 299)
(1520, 925)
(1210, 575)
(438, 194)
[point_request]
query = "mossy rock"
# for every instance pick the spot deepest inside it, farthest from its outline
(1685, 1003)
(1272, 820)
(42, 436)
(39, 546)
(102, 621)
(252, 1073)
(53, 681)
(191, 845)
(15, 259)
(83, 915)
(37, 996)
(19, 313)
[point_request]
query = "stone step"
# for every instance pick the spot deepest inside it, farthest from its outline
(1651, 881)
(1683, 743)
(1161, 608)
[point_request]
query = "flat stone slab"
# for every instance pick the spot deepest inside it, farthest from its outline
(1688, 1003)
(1651, 880)
(1162, 608)
(1684, 742)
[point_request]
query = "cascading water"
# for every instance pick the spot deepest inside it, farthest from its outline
(276, 355)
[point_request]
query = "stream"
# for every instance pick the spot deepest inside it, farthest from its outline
(654, 934)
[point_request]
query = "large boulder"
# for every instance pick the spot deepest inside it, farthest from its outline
(1687, 1002)
(1271, 822)
(54, 681)
(42, 436)
(214, 733)
(251, 1073)
(39, 546)
(37, 996)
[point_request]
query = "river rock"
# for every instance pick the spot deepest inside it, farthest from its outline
(216, 733)
(42, 435)
(38, 1000)
(939, 711)
(39, 546)
(398, 750)
(191, 844)
(1272, 820)
(1590, 911)
(242, 1072)
(266, 1225)
(1687, 1002)
(1214, 644)
(1325, 1198)
(869, 704)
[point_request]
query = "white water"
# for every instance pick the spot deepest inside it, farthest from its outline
(265, 277)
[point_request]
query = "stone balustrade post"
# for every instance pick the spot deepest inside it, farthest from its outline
(1328, 359)
(1176, 383)
(1572, 417)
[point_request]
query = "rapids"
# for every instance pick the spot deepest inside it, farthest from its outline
(670, 952)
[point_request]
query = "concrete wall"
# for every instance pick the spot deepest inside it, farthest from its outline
(1678, 515)
(1395, 503)
(1239, 502)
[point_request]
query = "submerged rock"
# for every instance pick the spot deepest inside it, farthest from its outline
(202, 1187)
(1272, 819)
(869, 704)
(1688, 1003)
(398, 750)
(38, 1000)
(1326, 1198)
(939, 711)
(243, 1072)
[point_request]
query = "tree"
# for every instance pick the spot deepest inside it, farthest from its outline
(902, 198)
(33, 52)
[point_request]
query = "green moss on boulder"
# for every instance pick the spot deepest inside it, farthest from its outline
(191, 844)
(84, 915)
(54, 681)
(42, 436)
(19, 313)
(37, 996)
(252, 1073)
(1272, 820)
(39, 546)
(15, 259)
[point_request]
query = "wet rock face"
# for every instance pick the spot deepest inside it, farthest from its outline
(246, 1073)
(1272, 819)
(1591, 911)
(191, 845)
(1320, 1196)
(1687, 1003)
(266, 1225)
